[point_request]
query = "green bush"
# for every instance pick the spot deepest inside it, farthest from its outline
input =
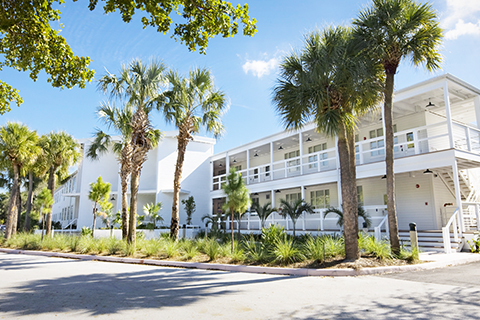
(377, 248)
(86, 231)
(188, 249)
(255, 251)
(475, 245)
(272, 234)
(285, 251)
(212, 249)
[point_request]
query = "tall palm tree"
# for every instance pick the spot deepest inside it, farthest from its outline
(18, 147)
(120, 120)
(60, 151)
(238, 197)
(264, 212)
(189, 104)
(99, 191)
(139, 85)
(330, 84)
(295, 209)
(391, 30)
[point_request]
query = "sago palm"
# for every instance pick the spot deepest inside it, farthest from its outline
(18, 147)
(390, 31)
(329, 84)
(139, 86)
(264, 212)
(189, 104)
(60, 151)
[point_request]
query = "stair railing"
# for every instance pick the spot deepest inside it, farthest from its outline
(447, 245)
(378, 229)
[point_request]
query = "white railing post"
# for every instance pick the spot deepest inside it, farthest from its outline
(447, 247)
(477, 213)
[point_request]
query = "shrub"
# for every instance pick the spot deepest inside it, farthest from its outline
(378, 248)
(285, 251)
(255, 251)
(334, 246)
(129, 249)
(272, 235)
(475, 245)
(212, 249)
(314, 248)
(152, 248)
(189, 249)
(86, 231)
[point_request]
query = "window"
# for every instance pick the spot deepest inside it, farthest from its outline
(320, 199)
(314, 158)
(267, 171)
(292, 197)
(360, 195)
(377, 144)
(255, 202)
(293, 165)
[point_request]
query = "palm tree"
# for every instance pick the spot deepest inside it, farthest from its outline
(140, 86)
(238, 196)
(295, 209)
(59, 153)
(264, 212)
(44, 201)
(331, 85)
(361, 213)
(190, 208)
(152, 209)
(391, 30)
(18, 147)
(99, 191)
(35, 170)
(120, 120)
(189, 104)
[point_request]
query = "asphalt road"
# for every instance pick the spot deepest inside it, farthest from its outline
(33, 287)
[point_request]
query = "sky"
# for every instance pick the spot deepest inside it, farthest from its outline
(245, 68)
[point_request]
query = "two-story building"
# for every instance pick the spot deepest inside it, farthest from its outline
(437, 156)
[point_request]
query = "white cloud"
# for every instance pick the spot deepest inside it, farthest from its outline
(461, 18)
(260, 68)
(462, 28)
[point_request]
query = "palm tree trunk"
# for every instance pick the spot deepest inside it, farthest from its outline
(388, 114)
(350, 220)
(134, 182)
(94, 218)
(353, 172)
(29, 202)
(231, 228)
(125, 169)
(183, 138)
(12, 207)
(51, 187)
(19, 209)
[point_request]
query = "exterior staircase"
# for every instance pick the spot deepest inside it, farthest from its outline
(467, 190)
(430, 240)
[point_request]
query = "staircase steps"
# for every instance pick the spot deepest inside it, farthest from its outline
(429, 240)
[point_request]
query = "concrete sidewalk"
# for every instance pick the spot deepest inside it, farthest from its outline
(430, 260)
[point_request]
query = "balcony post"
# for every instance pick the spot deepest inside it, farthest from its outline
(476, 105)
(458, 195)
(300, 142)
(448, 111)
(271, 160)
(248, 166)
(211, 176)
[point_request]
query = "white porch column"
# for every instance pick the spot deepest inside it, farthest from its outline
(458, 196)
(300, 142)
(248, 166)
(211, 176)
(339, 183)
(271, 161)
(303, 214)
(227, 163)
(476, 105)
(446, 97)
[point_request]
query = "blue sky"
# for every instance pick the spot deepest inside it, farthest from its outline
(245, 68)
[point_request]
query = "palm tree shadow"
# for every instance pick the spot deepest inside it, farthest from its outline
(111, 293)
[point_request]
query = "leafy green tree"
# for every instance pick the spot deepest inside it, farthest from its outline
(295, 209)
(44, 201)
(330, 84)
(29, 42)
(99, 193)
(189, 104)
(190, 207)
(139, 85)
(151, 210)
(238, 197)
(60, 151)
(264, 212)
(390, 31)
(18, 147)
(119, 120)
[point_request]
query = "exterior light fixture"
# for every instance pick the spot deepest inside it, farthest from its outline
(220, 165)
(384, 176)
(255, 194)
(430, 104)
(280, 148)
(427, 171)
(234, 160)
(277, 191)
(308, 139)
(112, 198)
(255, 155)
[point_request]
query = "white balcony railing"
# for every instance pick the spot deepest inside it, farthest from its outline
(419, 140)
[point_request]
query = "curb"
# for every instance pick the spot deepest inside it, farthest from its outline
(257, 269)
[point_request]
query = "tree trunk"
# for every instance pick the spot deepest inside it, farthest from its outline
(353, 173)
(388, 114)
(350, 219)
(51, 187)
(231, 228)
(94, 219)
(125, 169)
(19, 209)
(10, 229)
(132, 229)
(183, 138)
(29, 202)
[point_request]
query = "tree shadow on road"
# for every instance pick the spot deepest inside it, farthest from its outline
(110, 292)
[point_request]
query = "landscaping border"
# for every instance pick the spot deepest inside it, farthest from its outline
(445, 261)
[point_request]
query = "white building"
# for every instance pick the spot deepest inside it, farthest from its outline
(73, 208)
(437, 156)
